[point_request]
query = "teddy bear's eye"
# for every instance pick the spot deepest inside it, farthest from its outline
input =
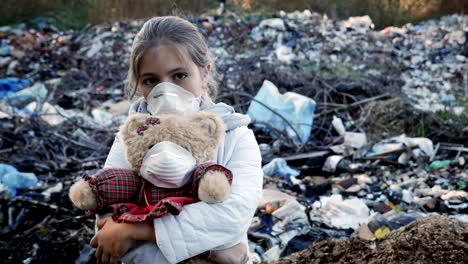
(187, 148)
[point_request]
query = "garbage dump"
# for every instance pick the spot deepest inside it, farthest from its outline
(363, 133)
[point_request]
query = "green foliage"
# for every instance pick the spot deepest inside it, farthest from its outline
(72, 16)
(75, 13)
(449, 117)
(327, 69)
(421, 130)
(60, 13)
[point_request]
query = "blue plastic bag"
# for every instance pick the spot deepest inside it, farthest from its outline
(13, 179)
(296, 109)
(36, 93)
(12, 85)
(279, 167)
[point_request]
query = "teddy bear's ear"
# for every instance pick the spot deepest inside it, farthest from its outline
(133, 126)
(211, 124)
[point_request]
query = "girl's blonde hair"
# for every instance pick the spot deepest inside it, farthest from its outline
(174, 31)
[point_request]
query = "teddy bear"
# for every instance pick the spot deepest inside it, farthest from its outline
(132, 198)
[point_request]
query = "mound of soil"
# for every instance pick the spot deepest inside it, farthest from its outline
(433, 239)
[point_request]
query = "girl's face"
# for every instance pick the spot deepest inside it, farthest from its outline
(165, 64)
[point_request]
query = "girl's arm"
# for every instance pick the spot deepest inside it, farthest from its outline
(116, 157)
(201, 227)
(115, 239)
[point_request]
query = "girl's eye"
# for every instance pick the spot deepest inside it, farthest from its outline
(150, 81)
(180, 76)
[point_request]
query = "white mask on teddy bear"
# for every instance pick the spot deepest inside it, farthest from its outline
(169, 98)
(167, 165)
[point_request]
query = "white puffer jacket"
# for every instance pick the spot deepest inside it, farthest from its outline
(201, 227)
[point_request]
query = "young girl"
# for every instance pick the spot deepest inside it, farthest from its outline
(172, 50)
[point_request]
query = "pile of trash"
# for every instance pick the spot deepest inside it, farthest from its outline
(367, 197)
(308, 84)
(427, 61)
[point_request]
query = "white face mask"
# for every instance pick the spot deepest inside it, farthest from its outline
(167, 165)
(169, 98)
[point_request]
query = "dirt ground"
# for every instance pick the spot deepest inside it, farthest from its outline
(434, 239)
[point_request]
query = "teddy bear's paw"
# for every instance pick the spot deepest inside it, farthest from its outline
(214, 187)
(82, 196)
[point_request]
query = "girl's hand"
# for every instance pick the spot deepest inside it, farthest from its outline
(112, 240)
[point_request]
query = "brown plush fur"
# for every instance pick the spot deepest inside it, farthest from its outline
(199, 133)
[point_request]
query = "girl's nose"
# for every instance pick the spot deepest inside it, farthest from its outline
(167, 79)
